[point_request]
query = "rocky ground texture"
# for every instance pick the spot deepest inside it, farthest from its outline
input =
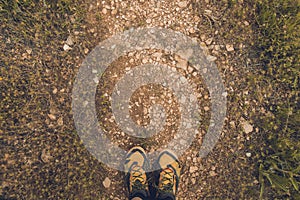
(42, 47)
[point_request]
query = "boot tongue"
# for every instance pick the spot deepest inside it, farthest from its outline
(138, 182)
(138, 185)
(139, 193)
(139, 190)
(167, 190)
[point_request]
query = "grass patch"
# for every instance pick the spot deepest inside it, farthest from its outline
(277, 23)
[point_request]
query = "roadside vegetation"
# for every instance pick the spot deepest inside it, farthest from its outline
(278, 49)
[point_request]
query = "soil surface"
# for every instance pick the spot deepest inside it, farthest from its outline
(42, 49)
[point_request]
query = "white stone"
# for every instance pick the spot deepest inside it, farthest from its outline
(96, 80)
(144, 61)
(106, 182)
(66, 47)
(69, 41)
(193, 180)
(211, 58)
(192, 30)
(113, 12)
(246, 23)
(182, 64)
(29, 51)
(224, 94)
(104, 11)
(52, 117)
(182, 4)
(148, 21)
(182, 79)
(248, 128)
(193, 169)
(229, 47)
(54, 91)
(209, 41)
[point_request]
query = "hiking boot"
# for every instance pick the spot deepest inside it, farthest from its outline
(168, 175)
(136, 165)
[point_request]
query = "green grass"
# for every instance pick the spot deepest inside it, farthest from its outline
(45, 20)
(277, 24)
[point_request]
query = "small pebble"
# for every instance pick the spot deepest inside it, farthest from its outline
(86, 50)
(209, 41)
(104, 11)
(229, 47)
(66, 47)
(106, 182)
(114, 12)
(193, 169)
(182, 4)
(52, 117)
(29, 51)
(69, 41)
(248, 128)
(54, 91)
(211, 58)
(45, 156)
(148, 21)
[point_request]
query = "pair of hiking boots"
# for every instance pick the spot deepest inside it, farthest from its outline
(163, 184)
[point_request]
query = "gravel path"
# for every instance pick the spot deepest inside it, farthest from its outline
(221, 173)
(44, 159)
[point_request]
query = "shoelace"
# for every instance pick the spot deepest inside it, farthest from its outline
(138, 178)
(167, 180)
